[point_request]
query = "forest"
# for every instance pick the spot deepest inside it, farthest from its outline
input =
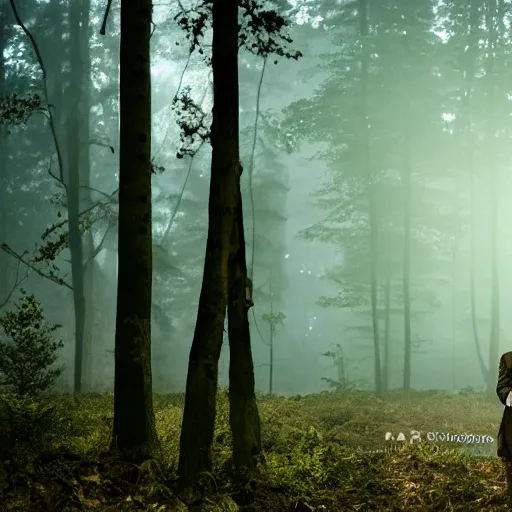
(264, 266)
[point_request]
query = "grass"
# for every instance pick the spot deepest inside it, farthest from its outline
(320, 455)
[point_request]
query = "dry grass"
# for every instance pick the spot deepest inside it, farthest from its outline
(316, 458)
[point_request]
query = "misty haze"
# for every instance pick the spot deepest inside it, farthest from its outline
(351, 288)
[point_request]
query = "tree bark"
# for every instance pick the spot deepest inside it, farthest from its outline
(201, 390)
(134, 432)
(243, 412)
(366, 164)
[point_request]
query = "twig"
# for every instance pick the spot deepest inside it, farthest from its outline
(180, 197)
(251, 167)
(108, 196)
(17, 282)
(19, 257)
(105, 17)
(98, 248)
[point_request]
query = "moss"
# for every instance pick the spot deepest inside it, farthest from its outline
(316, 459)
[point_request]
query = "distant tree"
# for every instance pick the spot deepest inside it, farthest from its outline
(273, 318)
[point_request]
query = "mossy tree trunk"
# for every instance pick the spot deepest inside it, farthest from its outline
(201, 389)
(243, 412)
(134, 432)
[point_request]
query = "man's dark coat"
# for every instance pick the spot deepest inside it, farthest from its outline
(503, 388)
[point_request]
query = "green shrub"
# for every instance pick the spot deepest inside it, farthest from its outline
(28, 351)
(24, 426)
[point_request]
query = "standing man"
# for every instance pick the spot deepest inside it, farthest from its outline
(504, 392)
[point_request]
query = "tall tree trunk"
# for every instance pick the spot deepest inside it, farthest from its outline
(454, 314)
(243, 410)
(134, 432)
(85, 195)
(72, 180)
(494, 342)
(387, 322)
(272, 330)
(469, 69)
(201, 390)
(4, 263)
(407, 176)
(366, 165)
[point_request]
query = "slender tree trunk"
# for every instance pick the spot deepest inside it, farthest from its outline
(366, 165)
(454, 314)
(470, 61)
(406, 179)
(271, 361)
(72, 178)
(85, 195)
(387, 322)
(201, 390)
(271, 347)
(75, 244)
(494, 343)
(4, 263)
(134, 432)
(243, 411)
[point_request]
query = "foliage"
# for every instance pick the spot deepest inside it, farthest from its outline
(339, 360)
(318, 457)
(193, 122)
(16, 109)
(275, 318)
(25, 426)
(262, 31)
(28, 351)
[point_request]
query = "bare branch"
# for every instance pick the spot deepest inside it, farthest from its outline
(95, 142)
(98, 248)
(45, 88)
(21, 258)
(109, 196)
(105, 17)
(17, 282)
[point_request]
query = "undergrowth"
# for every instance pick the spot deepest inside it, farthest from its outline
(316, 451)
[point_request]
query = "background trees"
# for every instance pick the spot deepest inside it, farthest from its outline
(448, 127)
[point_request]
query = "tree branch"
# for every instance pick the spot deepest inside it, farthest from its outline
(45, 88)
(105, 17)
(20, 257)
(98, 248)
(17, 281)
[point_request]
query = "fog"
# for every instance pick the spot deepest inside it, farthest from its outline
(311, 237)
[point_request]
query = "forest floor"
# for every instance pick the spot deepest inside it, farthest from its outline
(321, 455)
